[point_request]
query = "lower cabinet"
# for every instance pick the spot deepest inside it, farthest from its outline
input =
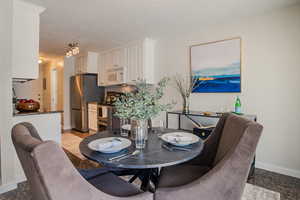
(48, 126)
(93, 116)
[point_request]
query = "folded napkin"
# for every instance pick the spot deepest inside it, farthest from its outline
(179, 138)
(108, 144)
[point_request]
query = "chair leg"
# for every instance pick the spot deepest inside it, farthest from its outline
(133, 178)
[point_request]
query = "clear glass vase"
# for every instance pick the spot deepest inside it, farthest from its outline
(186, 105)
(139, 130)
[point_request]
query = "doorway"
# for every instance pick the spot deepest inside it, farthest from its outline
(54, 89)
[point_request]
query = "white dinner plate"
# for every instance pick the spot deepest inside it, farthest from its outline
(180, 138)
(123, 144)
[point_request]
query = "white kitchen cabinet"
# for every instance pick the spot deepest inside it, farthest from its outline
(140, 61)
(101, 71)
(93, 116)
(134, 62)
(127, 64)
(25, 39)
(107, 60)
(113, 59)
(86, 63)
(111, 67)
(118, 58)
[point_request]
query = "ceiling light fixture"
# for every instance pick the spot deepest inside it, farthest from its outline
(73, 49)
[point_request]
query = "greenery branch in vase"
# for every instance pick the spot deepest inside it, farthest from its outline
(185, 86)
(142, 105)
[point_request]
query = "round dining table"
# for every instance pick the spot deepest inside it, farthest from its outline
(146, 164)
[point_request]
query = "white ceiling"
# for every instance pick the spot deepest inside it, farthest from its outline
(102, 24)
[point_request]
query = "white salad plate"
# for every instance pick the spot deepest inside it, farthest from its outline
(180, 138)
(109, 144)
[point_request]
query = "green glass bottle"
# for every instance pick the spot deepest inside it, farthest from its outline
(238, 105)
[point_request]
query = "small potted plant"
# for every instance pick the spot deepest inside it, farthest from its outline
(142, 105)
(184, 86)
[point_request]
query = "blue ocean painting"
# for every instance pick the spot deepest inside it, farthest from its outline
(218, 79)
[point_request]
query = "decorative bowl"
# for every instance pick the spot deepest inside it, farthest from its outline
(28, 106)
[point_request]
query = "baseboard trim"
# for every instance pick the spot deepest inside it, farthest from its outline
(278, 169)
(8, 187)
(66, 127)
(21, 179)
(12, 186)
(66, 131)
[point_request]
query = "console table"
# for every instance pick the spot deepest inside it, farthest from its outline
(217, 115)
(192, 114)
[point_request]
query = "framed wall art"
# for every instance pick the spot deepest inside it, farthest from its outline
(216, 66)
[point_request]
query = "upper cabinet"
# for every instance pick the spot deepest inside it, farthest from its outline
(25, 40)
(127, 64)
(86, 63)
(140, 61)
(111, 67)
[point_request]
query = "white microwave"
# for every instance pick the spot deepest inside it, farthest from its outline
(115, 76)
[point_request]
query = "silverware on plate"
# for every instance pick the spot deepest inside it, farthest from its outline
(136, 152)
(175, 148)
(123, 156)
(119, 156)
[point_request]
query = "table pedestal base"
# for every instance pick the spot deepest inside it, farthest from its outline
(148, 177)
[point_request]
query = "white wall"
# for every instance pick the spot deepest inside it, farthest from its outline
(270, 79)
(6, 148)
(69, 67)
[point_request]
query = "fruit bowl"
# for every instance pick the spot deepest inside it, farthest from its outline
(27, 105)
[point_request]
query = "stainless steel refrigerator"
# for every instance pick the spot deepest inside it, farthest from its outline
(83, 89)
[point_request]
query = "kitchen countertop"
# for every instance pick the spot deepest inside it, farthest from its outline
(107, 105)
(102, 104)
(40, 112)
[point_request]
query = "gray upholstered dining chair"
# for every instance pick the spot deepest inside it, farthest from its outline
(220, 172)
(51, 175)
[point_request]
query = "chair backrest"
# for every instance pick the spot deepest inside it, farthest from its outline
(233, 143)
(49, 172)
(210, 148)
(25, 138)
(233, 129)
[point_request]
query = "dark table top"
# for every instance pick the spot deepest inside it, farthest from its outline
(153, 156)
